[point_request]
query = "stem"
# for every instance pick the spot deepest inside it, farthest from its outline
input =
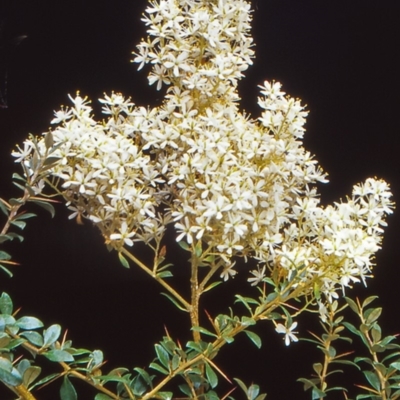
(382, 379)
(195, 298)
(327, 358)
(220, 342)
(196, 292)
(160, 280)
(182, 368)
(23, 392)
(86, 379)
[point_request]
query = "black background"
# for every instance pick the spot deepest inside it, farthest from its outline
(340, 57)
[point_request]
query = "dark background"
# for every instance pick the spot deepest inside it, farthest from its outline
(340, 57)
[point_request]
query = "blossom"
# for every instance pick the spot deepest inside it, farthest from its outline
(22, 155)
(288, 332)
(239, 186)
(228, 272)
(125, 234)
(257, 277)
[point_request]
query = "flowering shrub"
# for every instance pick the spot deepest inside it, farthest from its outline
(230, 187)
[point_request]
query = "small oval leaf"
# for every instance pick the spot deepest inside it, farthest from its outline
(59, 356)
(67, 390)
(6, 304)
(51, 334)
(28, 323)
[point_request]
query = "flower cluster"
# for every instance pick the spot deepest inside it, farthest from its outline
(234, 185)
(201, 46)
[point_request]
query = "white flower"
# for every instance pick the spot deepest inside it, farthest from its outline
(228, 272)
(257, 277)
(288, 332)
(22, 155)
(124, 234)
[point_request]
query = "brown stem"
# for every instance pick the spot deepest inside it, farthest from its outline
(23, 392)
(170, 289)
(195, 298)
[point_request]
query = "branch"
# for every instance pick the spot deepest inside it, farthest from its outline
(170, 289)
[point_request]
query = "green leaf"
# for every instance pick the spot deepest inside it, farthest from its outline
(19, 186)
(6, 304)
(198, 249)
(23, 365)
(246, 321)
(29, 323)
(16, 202)
(47, 206)
(3, 208)
(6, 270)
(368, 300)
(20, 224)
(18, 177)
(352, 304)
(5, 238)
(246, 300)
(308, 383)
(51, 161)
(138, 386)
(33, 337)
(10, 376)
(253, 391)
(212, 286)
(396, 365)
(373, 315)
(123, 261)
(102, 396)
(185, 390)
(31, 374)
(317, 367)
(6, 320)
(164, 274)
(146, 377)
(376, 333)
(162, 355)
(97, 359)
(195, 346)
(174, 301)
(15, 343)
(211, 376)
(15, 236)
(184, 245)
(48, 140)
(114, 378)
(204, 331)
(51, 334)
(4, 255)
(46, 379)
(317, 393)
(159, 368)
(352, 328)
(67, 390)
(254, 338)
(175, 362)
(25, 216)
(241, 384)
(118, 371)
(373, 380)
(58, 355)
(228, 339)
(165, 395)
